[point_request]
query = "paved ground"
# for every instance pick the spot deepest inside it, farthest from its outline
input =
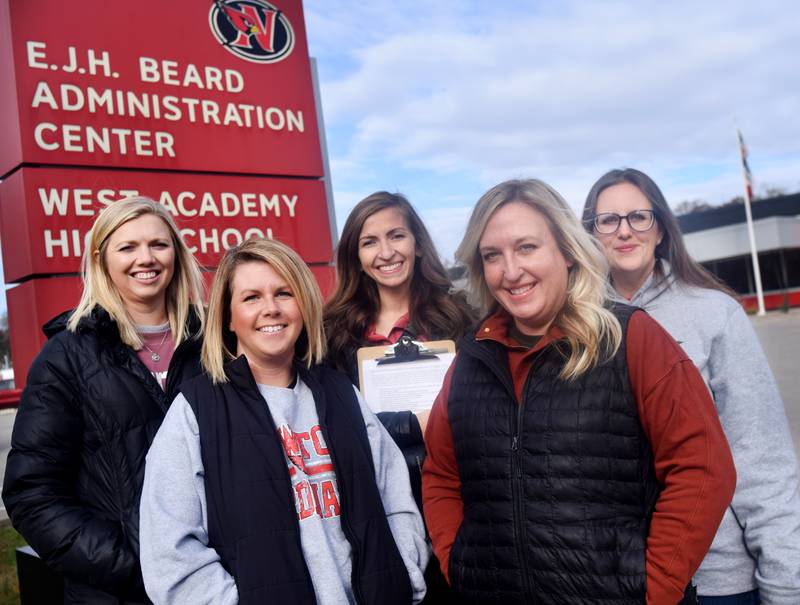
(778, 332)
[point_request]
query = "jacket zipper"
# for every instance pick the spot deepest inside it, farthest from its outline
(170, 389)
(517, 489)
(163, 396)
(148, 380)
(516, 464)
(343, 518)
(133, 358)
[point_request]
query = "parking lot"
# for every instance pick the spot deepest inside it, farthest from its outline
(779, 334)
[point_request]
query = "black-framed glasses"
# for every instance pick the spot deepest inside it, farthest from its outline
(638, 220)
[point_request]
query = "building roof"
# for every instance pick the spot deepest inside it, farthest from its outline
(785, 205)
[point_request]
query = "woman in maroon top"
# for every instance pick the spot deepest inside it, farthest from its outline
(391, 282)
(574, 453)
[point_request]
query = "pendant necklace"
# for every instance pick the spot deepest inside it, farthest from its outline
(154, 354)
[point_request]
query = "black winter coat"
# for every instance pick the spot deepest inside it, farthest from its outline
(74, 475)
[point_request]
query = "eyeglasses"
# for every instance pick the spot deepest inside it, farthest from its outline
(638, 220)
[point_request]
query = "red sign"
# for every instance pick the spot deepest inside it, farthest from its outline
(206, 106)
(30, 306)
(219, 86)
(47, 212)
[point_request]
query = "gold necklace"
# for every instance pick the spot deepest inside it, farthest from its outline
(154, 354)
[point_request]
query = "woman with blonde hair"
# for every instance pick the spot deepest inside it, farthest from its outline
(270, 480)
(574, 455)
(95, 397)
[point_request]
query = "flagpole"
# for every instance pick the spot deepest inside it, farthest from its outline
(748, 194)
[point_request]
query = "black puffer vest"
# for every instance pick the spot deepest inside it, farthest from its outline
(252, 521)
(558, 490)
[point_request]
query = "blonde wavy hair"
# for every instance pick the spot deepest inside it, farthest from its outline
(184, 292)
(219, 343)
(591, 331)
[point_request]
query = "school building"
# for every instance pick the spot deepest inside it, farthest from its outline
(717, 238)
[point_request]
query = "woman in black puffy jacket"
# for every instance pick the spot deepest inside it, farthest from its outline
(391, 283)
(95, 397)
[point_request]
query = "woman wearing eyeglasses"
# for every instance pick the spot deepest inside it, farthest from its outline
(755, 556)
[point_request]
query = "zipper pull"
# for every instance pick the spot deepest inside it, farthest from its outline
(514, 443)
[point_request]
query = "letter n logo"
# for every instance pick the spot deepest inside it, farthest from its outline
(253, 30)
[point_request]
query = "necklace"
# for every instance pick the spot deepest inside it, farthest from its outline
(154, 354)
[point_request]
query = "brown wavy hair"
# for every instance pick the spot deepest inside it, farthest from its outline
(672, 249)
(435, 310)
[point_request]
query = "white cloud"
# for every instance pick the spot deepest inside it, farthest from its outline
(480, 93)
(446, 227)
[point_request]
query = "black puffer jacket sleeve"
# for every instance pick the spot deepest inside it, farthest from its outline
(405, 430)
(41, 473)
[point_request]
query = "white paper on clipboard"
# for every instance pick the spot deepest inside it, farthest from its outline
(408, 385)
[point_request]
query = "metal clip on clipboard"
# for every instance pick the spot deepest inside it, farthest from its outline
(408, 350)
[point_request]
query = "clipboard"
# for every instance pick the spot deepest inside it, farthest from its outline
(405, 376)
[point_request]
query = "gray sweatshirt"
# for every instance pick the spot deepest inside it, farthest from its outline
(178, 565)
(758, 542)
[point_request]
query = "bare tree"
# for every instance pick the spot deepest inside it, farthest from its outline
(734, 201)
(691, 206)
(768, 191)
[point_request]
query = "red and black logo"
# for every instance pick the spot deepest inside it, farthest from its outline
(253, 30)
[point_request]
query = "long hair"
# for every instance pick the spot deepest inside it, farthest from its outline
(435, 310)
(671, 248)
(591, 331)
(220, 344)
(184, 292)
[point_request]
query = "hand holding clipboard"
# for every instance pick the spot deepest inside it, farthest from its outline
(404, 376)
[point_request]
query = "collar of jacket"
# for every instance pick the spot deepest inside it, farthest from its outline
(493, 350)
(493, 354)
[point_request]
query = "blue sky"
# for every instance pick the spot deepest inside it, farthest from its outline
(440, 100)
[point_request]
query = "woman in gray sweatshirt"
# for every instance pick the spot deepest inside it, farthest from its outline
(755, 556)
(270, 480)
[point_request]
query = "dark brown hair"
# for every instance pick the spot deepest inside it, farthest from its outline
(435, 311)
(671, 248)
